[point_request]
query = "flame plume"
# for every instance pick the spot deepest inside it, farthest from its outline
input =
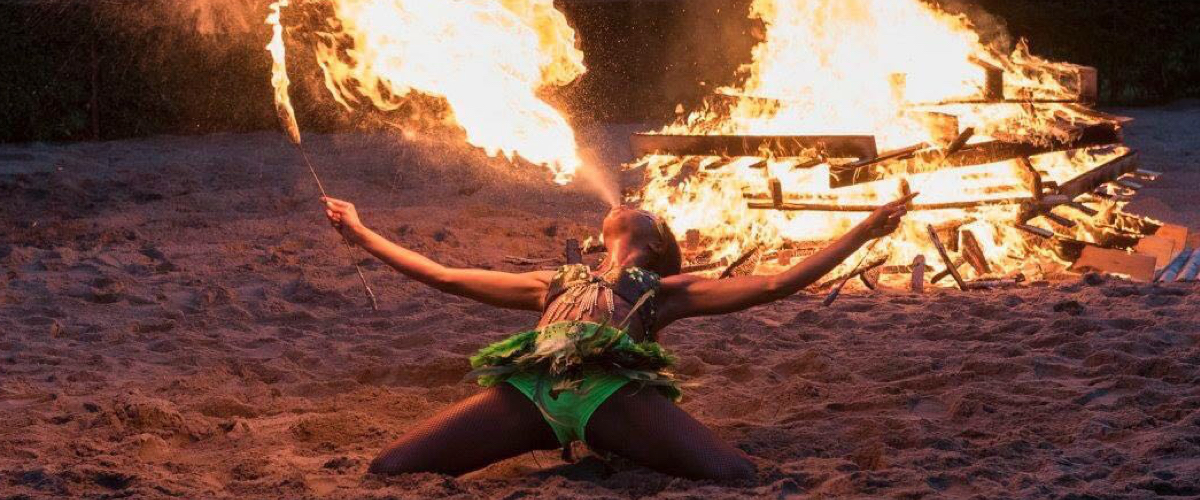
(879, 68)
(487, 58)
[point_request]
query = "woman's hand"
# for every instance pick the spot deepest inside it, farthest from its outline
(886, 219)
(344, 217)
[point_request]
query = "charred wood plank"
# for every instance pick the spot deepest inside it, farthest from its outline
(836, 146)
(755, 204)
(972, 251)
(960, 142)
(918, 274)
(937, 244)
(973, 154)
(739, 266)
(1086, 210)
(1138, 267)
(776, 187)
(886, 156)
(839, 283)
(996, 283)
(943, 274)
(573, 253)
(1090, 180)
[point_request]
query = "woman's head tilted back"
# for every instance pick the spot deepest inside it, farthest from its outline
(628, 231)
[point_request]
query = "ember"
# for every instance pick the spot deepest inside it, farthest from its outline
(1016, 174)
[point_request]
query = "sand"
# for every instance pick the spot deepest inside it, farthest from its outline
(177, 320)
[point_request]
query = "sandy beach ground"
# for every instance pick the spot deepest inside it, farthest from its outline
(178, 320)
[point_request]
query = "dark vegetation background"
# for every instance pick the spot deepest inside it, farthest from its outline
(82, 70)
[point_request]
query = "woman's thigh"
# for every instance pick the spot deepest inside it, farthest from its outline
(647, 428)
(493, 425)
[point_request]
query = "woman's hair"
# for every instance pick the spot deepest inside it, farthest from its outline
(666, 259)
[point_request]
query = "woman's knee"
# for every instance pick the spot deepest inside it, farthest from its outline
(732, 468)
(386, 464)
(397, 460)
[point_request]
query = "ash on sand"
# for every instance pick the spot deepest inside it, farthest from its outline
(176, 320)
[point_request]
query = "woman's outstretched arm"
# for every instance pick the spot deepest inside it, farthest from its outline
(509, 290)
(686, 296)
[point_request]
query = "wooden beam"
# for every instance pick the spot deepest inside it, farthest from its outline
(737, 267)
(918, 274)
(993, 86)
(972, 154)
(886, 156)
(1032, 178)
(960, 142)
(996, 283)
(835, 146)
(1175, 233)
(573, 253)
(1088, 84)
(1090, 180)
(1086, 210)
(973, 253)
(937, 244)
(776, 187)
(819, 207)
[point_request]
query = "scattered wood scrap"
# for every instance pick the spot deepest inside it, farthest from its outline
(1191, 269)
(1177, 234)
(1102, 260)
(937, 244)
(972, 251)
(1171, 272)
(573, 253)
(1160, 248)
(918, 274)
(744, 265)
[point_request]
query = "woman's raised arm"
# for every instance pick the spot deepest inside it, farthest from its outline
(687, 296)
(525, 291)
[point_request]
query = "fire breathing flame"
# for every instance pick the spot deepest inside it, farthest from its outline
(488, 59)
(880, 68)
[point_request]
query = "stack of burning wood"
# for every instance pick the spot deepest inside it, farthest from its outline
(1063, 201)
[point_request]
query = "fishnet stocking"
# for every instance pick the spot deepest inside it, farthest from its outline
(647, 428)
(500, 423)
(491, 426)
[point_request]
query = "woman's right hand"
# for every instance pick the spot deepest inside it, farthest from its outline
(886, 219)
(344, 217)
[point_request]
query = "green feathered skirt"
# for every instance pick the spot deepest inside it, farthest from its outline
(569, 369)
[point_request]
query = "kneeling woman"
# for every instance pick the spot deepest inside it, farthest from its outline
(591, 370)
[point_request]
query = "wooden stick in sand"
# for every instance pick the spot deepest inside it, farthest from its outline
(918, 274)
(858, 269)
(937, 244)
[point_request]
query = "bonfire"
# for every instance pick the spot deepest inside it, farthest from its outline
(847, 105)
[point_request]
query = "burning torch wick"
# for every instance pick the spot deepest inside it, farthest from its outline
(321, 187)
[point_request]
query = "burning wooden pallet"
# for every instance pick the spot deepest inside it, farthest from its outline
(1074, 212)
